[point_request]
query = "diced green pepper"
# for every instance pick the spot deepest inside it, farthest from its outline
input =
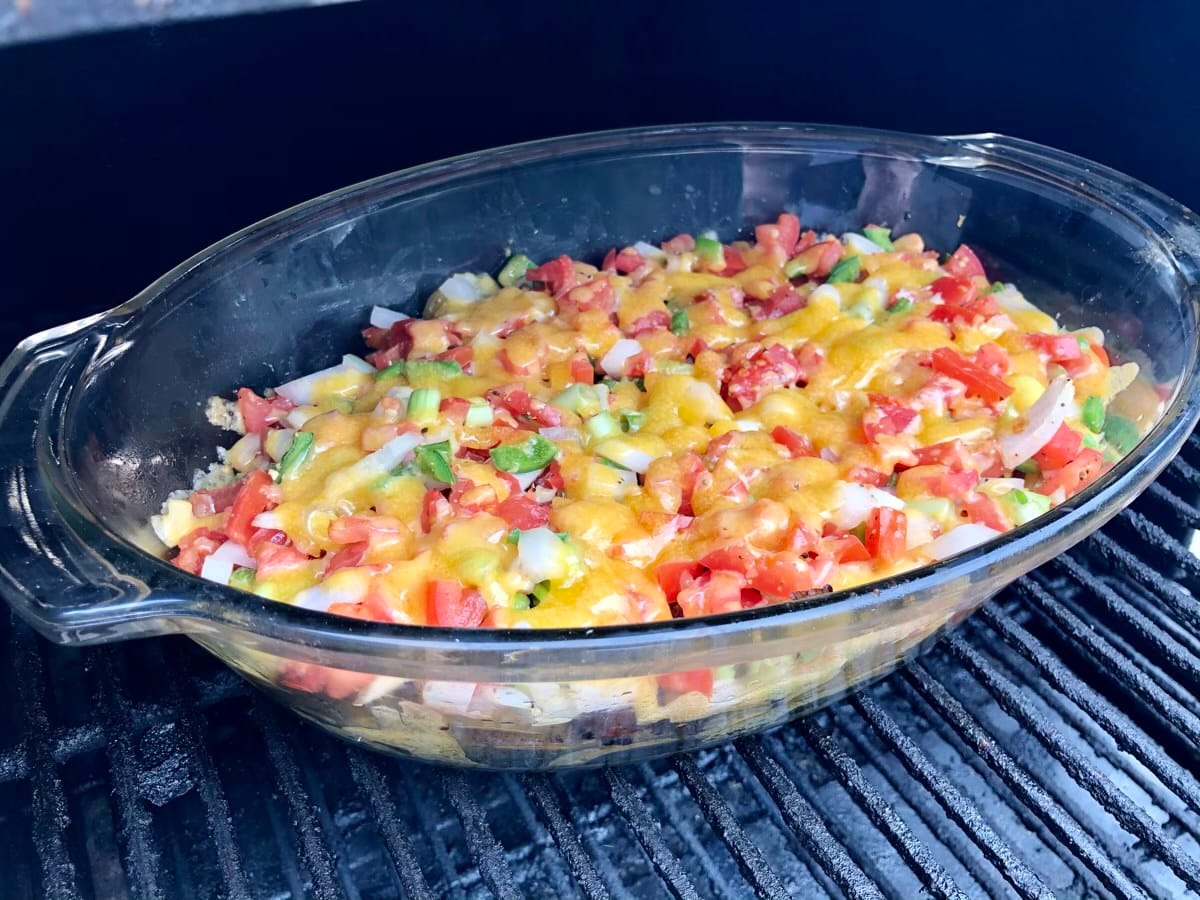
(431, 369)
(480, 414)
(541, 591)
(794, 268)
(847, 270)
(710, 249)
(395, 370)
(1091, 442)
(680, 323)
(1093, 414)
(1029, 467)
(996, 287)
(1023, 506)
(521, 601)
(533, 453)
(434, 461)
(296, 454)
(582, 399)
(242, 578)
(514, 270)
(1121, 433)
(602, 425)
(513, 536)
(632, 420)
(423, 405)
(880, 236)
(904, 304)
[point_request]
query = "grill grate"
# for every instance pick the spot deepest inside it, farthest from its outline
(1047, 749)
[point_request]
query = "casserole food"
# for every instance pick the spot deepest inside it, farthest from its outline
(102, 420)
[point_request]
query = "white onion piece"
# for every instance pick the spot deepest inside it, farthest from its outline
(863, 245)
(1041, 422)
(461, 287)
(389, 455)
(244, 451)
(448, 696)
(649, 251)
(1011, 299)
(857, 501)
(560, 434)
(544, 494)
(378, 687)
(277, 442)
(526, 479)
(357, 363)
(321, 597)
(382, 317)
(298, 416)
(964, 537)
(648, 548)
(919, 529)
(828, 291)
(219, 565)
(613, 362)
(627, 480)
(268, 519)
(998, 486)
(540, 555)
(300, 391)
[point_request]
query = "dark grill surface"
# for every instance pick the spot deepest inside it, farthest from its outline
(1047, 749)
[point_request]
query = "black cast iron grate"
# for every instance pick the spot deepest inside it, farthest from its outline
(1048, 749)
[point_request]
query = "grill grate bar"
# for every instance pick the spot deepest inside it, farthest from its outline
(1030, 793)
(314, 849)
(1131, 817)
(1127, 736)
(649, 835)
(1171, 595)
(1180, 508)
(806, 824)
(1185, 470)
(370, 783)
(962, 810)
(562, 832)
(49, 801)
(885, 817)
(1173, 653)
(1157, 537)
(487, 851)
(722, 820)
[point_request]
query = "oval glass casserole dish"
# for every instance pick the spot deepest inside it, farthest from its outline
(104, 417)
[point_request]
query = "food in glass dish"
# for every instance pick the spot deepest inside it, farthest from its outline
(688, 429)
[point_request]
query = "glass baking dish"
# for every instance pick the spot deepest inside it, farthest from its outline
(102, 418)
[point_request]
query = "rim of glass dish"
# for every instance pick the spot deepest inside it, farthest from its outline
(293, 624)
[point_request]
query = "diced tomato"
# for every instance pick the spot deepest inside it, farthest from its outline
(733, 263)
(258, 413)
(803, 540)
(886, 534)
(580, 369)
(887, 416)
(557, 274)
(1060, 449)
(846, 548)
(794, 442)
(470, 498)
(1075, 476)
(964, 263)
(455, 409)
(610, 261)
(992, 358)
(433, 508)
(670, 574)
(520, 403)
(865, 475)
(628, 260)
(195, 547)
(698, 680)
(762, 374)
(252, 498)
(730, 558)
(781, 575)
(461, 355)
(961, 301)
(955, 291)
(551, 478)
(978, 382)
(953, 454)
(447, 604)
(521, 369)
(522, 511)
(937, 481)
(783, 300)
(659, 319)
(210, 502)
(711, 592)
(1101, 353)
(596, 294)
(779, 239)
(349, 556)
(985, 510)
(275, 559)
(1056, 347)
(817, 260)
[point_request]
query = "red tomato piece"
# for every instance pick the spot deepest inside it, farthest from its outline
(992, 358)
(730, 558)
(258, 413)
(447, 604)
(658, 319)
(762, 374)
(275, 559)
(698, 680)
(1075, 476)
(610, 261)
(783, 300)
(955, 291)
(433, 508)
(455, 409)
(978, 381)
(984, 510)
(349, 556)
(670, 575)
(865, 475)
(846, 548)
(557, 274)
(1060, 449)
(712, 592)
(591, 295)
(210, 502)
(252, 499)
(794, 442)
(523, 370)
(964, 263)
(953, 454)
(461, 355)
(580, 369)
(195, 547)
(733, 263)
(886, 534)
(780, 238)
(1057, 347)
(519, 403)
(887, 416)
(781, 575)
(522, 511)
(803, 540)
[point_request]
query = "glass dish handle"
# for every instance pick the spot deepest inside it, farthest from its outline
(69, 588)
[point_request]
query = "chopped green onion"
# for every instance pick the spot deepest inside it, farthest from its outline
(880, 236)
(431, 369)
(893, 479)
(1093, 414)
(534, 453)
(1121, 433)
(602, 425)
(480, 414)
(1024, 506)
(1092, 442)
(632, 420)
(680, 323)
(522, 601)
(434, 461)
(423, 405)
(513, 536)
(242, 578)
(1029, 467)
(1083, 342)
(794, 268)
(395, 370)
(904, 304)
(296, 453)
(541, 591)
(710, 249)
(514, 270)
(404, 470)
(847, 270)
(997, 287)
(582, 399)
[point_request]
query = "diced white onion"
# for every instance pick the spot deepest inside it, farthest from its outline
(1041, 422)
(828, 291)
(1011, 299)
(277, 442)
(390, 455)
(269, 519)
(320, 597)
(544, 494)
(649, 251)
(613, 362)
(863, 245)
(857, 501)
(357, 363)
(219, 565)
(298, 416)
(540, 555)
(999, 486)
(461, 287)
(964, 537)
(525, 479)
(300, 391)
(920, 528)
(382, 317)
(244, 451)
(560, 434)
